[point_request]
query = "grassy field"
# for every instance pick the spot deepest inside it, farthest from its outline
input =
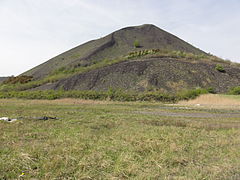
(116, 140)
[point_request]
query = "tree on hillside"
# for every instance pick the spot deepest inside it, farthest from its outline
(136, 44)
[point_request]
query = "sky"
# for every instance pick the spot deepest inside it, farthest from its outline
(33, 31)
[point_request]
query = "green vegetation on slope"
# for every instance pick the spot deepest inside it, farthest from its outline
(99, 140)
(166, 53)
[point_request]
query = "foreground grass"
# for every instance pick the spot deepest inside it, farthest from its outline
(113, 140)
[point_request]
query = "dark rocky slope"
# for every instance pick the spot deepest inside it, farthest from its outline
(166, 74)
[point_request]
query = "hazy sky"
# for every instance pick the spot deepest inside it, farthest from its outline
(33, 31)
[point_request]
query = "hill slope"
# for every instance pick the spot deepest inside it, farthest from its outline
(166, 74)
(114, 45)
(161, 62)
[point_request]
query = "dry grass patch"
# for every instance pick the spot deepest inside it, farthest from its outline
(214, 101)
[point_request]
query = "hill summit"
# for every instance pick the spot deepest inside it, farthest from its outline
(112, 46)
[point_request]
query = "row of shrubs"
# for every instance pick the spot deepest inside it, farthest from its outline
(182, 54)
(18, 79)
(165, 53)
(115, 95)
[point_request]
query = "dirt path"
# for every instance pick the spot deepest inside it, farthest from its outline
(193, 114)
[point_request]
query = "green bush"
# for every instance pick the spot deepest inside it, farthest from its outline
(220, 68)
(18, 80)
(191, 94)
(136, 44)
(211, 90)
(235, 91)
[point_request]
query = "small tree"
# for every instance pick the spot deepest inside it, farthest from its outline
(235, 91)
(136, 44)
(219, 68)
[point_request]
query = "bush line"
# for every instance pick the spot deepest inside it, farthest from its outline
(114, 95)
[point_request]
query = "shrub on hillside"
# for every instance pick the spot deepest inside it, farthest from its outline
(211, 90)
(136, 44)
(235, 91)
(220, 68)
